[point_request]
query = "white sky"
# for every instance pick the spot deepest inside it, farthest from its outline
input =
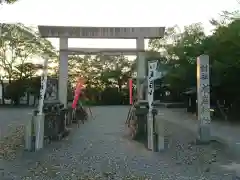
(114, 13)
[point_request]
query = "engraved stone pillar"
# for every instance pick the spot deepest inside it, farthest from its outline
(203, 98)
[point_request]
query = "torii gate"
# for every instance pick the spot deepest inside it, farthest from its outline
(65, 32)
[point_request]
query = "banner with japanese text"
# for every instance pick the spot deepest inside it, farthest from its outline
(152, 72)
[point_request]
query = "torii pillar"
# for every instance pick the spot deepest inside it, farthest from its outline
(141, 66)
(63, 68)
(63, 71)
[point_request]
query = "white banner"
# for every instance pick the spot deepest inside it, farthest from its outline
(152, 74)
(43, 87)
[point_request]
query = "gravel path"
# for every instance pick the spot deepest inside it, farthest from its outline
(100, 149)
(11, 118)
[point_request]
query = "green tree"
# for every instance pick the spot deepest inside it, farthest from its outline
(18, 46)
(101, 73)
(117, 71)
(180, 50)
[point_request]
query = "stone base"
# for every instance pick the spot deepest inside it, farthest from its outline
(204, 134)
(39, 131)
(164, 135)
(163, 143)
(150, 131)
(28, 135)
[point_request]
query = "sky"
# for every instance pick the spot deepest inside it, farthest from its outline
(113, 13)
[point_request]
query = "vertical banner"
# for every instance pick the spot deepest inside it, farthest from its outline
(43, 87)
(130, 91)
(77, 92)
(39, 120)
(152, 72)
(203, 89)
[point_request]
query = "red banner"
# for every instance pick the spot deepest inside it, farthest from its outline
(130, 91)
(77, 93)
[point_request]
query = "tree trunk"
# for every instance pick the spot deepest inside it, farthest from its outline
(3, 92)
(120, 85)
(28, 98)
(35, 100)
(16, 101)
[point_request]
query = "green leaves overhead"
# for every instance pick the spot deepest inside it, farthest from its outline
(181, 48)
(101, 71)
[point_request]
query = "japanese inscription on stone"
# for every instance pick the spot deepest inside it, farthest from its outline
(203, 89)
(87, 32)
(102, 32)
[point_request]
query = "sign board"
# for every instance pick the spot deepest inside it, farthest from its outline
(152, 72)
(101, 32)
(51, 89)
(43, 87)
(203, 89)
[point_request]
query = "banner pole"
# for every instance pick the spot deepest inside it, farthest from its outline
(130, 92)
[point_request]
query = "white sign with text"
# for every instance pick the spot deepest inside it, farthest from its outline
(203, 89)
(152, 73)
(43, 87)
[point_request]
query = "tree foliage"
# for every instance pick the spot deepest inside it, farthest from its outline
(19, 45)
(181, 48)
(107, 76)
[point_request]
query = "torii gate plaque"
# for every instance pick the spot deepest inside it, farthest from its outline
(65, 32)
